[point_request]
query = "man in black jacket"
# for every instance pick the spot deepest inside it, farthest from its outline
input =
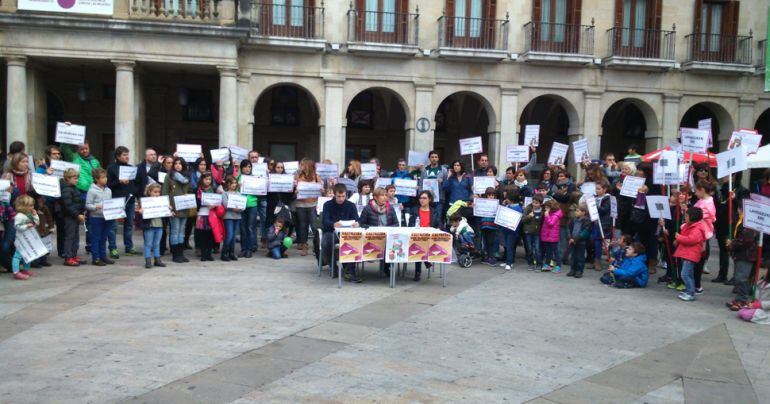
(122, 188)
(143, 170)
(335, 212)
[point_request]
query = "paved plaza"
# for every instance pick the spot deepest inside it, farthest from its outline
(264, 331)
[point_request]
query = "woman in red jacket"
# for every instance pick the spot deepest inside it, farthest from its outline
(689, 247)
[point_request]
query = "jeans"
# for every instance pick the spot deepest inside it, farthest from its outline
(305, 217)
(700, 264)
(688, 276)
(18, 263)
(249, 229)
(231, 227)
(263, 224)
(510, 240)
(743, 280)
(551, 252)
(491, 247)
(577, 257)
(152, 242)
(533, 245)
(176, 230)
(98, 236)
(9, 237)
(467, 238)
(277, 252)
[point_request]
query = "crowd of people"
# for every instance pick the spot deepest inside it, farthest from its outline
(555, 228)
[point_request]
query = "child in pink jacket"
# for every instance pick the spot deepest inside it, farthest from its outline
(549, 237)
(704, 191)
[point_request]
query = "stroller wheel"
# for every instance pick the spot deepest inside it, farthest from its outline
(465, 260)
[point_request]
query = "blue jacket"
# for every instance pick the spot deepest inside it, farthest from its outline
(334, 212)
(403, 174)
(458, 190)
(634, 268)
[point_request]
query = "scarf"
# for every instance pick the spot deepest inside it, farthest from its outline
(520, 183)
(180, 178)
(377, 208)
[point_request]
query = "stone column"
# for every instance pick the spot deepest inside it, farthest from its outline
(125, 128)
(745, 120)
(509, 123)
(16, 100)
(332, 133)
(592, 122)
(416, 140)
(228, 106)
(245, 116)
(670, 118)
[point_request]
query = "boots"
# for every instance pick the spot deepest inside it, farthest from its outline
(148, 263)
(578, 274)
(571, 272)
(176, 253)
(225, 256)
(181, 253)
(159, 263)
(303, 249)
(232, 254)
(597, 264)
(417, 273)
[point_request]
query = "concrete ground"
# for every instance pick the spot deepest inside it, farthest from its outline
(262, 331)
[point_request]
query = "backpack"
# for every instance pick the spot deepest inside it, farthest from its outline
(283, 212)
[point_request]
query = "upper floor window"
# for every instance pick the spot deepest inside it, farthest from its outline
(716, 23)
(554, 17)
(637, 23)
(289, 12)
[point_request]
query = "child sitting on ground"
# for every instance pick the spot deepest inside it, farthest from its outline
(275, 236)
(619, 251)
(632, 273)
(758, 309)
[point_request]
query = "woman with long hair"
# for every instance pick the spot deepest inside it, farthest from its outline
(306, 208)
(177, 183)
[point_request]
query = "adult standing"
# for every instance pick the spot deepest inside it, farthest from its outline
(335, 212)
(458, 185)
(122, 189)
(53, 153)
(177, 183)
(611, 169)
(88, 163)
(306, 207)
(425, 214)
(261, 209)
(248, 224)
(403, 173)
(158, 174)
(481, 166)
(21, 184)
(14, 148)
(143, 169)
(722, 227)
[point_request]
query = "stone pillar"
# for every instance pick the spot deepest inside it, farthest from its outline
(745, 120)
(416, 140)
(16, 100)
(125, 127)
(140, 120)
(245, 116)
(332, 132)
(37, 114)
(592, 122)
(509, 123)
(670, 119)
(228, 106)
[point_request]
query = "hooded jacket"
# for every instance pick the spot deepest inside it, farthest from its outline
(550, 230)
(690, 241)
(71, 202)
(634, 268)
(87, 165)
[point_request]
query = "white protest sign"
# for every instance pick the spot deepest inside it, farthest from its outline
(756, 216)
(238, 153)
(507, 217)
(517, 153)
(368, 171)
(483, 207)
(60, 166)
(383, 182)
(236, 201)
(705, 124)
(750, 141)
(593, 211)
(291, 167)
(183, 202)
(580, 150)
(480, 184)
(668, 161)
(114, 208)
(326, 171)
(431, 184)
(731, 161)
(760, 198)
(281, 183)
(588, 188)
(127, 173)
(558, 154)
(613, 207)
(417, 158)
(259, 170)
(532, 135)
(657, 205)
(46, 185)
(405, 187)
(471, 145)
(211, 199)
(161, 177)
(251, 185)
(349, 184)
(29, 245)
(527, 201)
(661, 178)
(189, 152)
(155, 206)
(631, 186)
(5, 195)
(319, 208)
(308, 190)
(694, 140)
(70, 134)
(220, 155)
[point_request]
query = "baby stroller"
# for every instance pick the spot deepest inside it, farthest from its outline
(466, 253)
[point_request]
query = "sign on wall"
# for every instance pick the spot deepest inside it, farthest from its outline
(99, 7)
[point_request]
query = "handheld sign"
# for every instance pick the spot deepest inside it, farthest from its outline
(280, 183)
(236, 201)
(220, 155)
(349, 184)
(368, 171)
(161, 177)
(694, 140)
(558, 154)
(127, 173)
(319, 208)
(383, 182)
(70, 134)
(507, 217)
(588, 188)
(209, 199)
(60, 166)
(731, 161)
(480, 184)
(46, 185)
(613, 207)
(631, 186)
(417, 158)
(308, 190)
(183, 202)
(29, 245)
(155, 206)
(189, 152)
(259, 170)
(431, 184)
(658, 207)
(291, 167)
(517, 153)
(483, 207)
(527, 201)
(705, 124)
(750, 141)
(760, 198)
(471, 145)
(756, 216)
(326, 171)
(5, 195)
(593, 210)
(532, 135)
(668, 161)
(580, 151)
(238, 153)
(251, 185)
(405, 187)
(114, 208)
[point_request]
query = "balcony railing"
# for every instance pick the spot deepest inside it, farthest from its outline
(762, 54)
(188, 10)
(559, 38)
(383, 27)
(472, 33)
(281, 20)
(718, 48)
(641, 43)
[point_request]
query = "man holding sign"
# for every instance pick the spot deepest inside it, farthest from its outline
(122, 187)
(88, 164)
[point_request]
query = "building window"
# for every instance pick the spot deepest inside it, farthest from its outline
(285, 107)
(361, 111)
(199, 106)
(716, 26)
(386, 19)
(288, 12)
(637, 26)
(556, 25)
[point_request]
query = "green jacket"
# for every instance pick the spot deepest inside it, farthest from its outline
(251, 200)
(87, 165)
(173, 188)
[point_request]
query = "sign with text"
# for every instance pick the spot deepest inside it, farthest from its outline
(517, 154)
(405, 187)
(471, 145)
(326, 171)
(259, 170)
(756, 215)
(308, 190)
(668, 161)
(705, 124)
(251, 185)
(70, 134)
(220, 155)
(613, 207)
(281, 183)
(532, 135)
(694, 140)
(588, 188)
(383, 182)
(236, 201)
(416, 158)
(368, 171)
(291, 167)
(631, 186)
(658, 207)
(558, 154)
(93, 7)
(480, 184)
(183, 202)
(60, 166)
(46, 185)
(731, 161)
(580, 151)
(127, 173)
(189, 152)
(155, 206)
(29, 245)
(238, 153)
(483, 207)
(5, 194)
(507, 217)
(593, 211)
(211, 199)
(114, 208)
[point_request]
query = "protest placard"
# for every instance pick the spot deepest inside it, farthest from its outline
(405, 187)
(291, 167)
(532, 135)
(368, 171)
(184, 202)
(281, 183)
(5, 194)
(750, 141)
(588, 188)
(308, 190)
(70, 134)
(507, 217)
(417, 158)
(483, 207)
(189, 152)
(321, 201)
(668, 161)
(760, 198)
(593, 211)
(613, 207)
(383, 182)
(480, 184)
(235, 201)
(694, 140)
(756, 215)
(731, 161)
(238, 153)
(251, 185)
(127, 173)
(432, 185)
(211, 199)
(114, 208)
(631, 186)
(161, 177)
(658, 207)
(517, 154)
(471, 145)
(558, 154)
(580, 151)
(29, 245)
(47, 185)
(259, 170)
(705, 124)
(155, 206)
(349, 184)
(60, 166)
(220, 155)
(326, 171)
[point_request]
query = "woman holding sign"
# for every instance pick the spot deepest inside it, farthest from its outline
(458, 185)
(177, 183)
(53, 153)
(424, 215)
(281, 200)
(249, 216)
(306, 207)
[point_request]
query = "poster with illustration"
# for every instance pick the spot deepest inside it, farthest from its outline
(396, 246)
(440, 250)
(374, 245)
(419, 243)
(351, 246)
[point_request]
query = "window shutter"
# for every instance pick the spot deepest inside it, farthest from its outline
(491, 9)
(402, 6)
(654, 14)
(618, 14)
(536, 9)
(450, 8)
(577, 7)
(730, 21)
(697, 23)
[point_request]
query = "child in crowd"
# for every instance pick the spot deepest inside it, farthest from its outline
(390, 191)
(364, 195)
(619, 252)
(603, 205)
(73, 214)
(689, 248)
(757, 310)
(204, 231)
(152, 230)
(275, 237)
(744, 251)
(632, 272)
(489, 231)
(704, 190)
(461, 229)
(232, 220)
(579, 234)
(549, 236)
(511, 237)
(665, 229)
(26, 220)
(531, 223)
(45, 228)
(98, 227)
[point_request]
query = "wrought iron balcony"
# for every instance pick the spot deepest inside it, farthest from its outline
(281, 20)
(561, 43)
(472, 38)
(762, 46)
(381, 32)
(719, 53)
(641, 48)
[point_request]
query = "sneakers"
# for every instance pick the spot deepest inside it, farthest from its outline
(531, 268)
(131, 251)
(71, 262)
(706, 269)
(699, 291)
(503, 265)
(545, 268)
(28, 273)
(507, 267)
(20, 276)
(556, 270)
(114, 254)
(686, 297)
(680, 288)
(108, 261)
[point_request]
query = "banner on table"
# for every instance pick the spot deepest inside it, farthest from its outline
(127, 173)
(291, 167)
(440, 250)
(351, 245)
(756, 216)
(251, 185)
(532, 135)
(558, 154)
(308, 190)
(114, 208)
(220, 155)
(417, 158)
(517, 154)
(281, 183)
(483, 207)
(396, 245)
(70, 134)
(60, 166)
(631, 186)
(507, 217)
(658, 207)
(432, 185)
(29, 245)
(189, 152)
(480, 184)
(236, 201)
(368, 171)
(580, 151)
(183, 202)
(155, 206)
(471, 145)
(405, 187)
(238, 153)
(419, 244)
(209, 199)
(694, 140)
(46, 185)
(374, 245)
(326, 171)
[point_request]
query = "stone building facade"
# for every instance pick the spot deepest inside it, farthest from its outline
(340, 79)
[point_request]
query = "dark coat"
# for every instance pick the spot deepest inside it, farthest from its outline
(72, 204)
(370, 217)
(435, 218)
(113, 183)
